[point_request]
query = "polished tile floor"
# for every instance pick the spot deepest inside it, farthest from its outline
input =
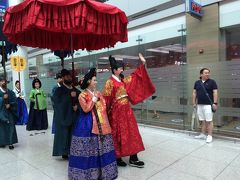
(169, 155)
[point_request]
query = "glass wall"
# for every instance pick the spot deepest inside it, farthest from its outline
(173, 76)
(226, 72)
(228, 76)
(166, 60)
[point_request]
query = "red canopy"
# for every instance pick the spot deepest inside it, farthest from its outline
(51, 23)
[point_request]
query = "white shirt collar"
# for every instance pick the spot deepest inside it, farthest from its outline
(69, 87)
(116, 78)
(90, 91)
(18, 90)
(2, 90)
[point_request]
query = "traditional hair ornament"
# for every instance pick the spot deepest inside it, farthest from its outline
(86, 80)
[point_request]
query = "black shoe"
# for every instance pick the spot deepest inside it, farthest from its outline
(2, 146)
(11, 147)
(139, 164)
(65, 157)
(121, 163)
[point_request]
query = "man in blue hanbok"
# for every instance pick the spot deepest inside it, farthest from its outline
(67, 108)
(8, 115)
(59, 84)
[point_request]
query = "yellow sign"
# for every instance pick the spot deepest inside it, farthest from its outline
(18, 63)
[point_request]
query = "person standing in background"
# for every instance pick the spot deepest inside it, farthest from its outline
(205, 99)
(67, 108)
(155, 114)
(38, 119)
(59, 84)
(22, 107)
(8, 116)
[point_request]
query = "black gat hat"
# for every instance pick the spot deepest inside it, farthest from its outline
(114, 63)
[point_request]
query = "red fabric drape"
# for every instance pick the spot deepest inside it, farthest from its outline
(51, 23)
(139, 80)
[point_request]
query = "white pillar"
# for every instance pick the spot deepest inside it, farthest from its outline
(22, 51)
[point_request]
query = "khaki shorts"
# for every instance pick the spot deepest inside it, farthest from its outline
(204, 112)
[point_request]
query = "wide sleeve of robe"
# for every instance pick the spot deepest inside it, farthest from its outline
(3, 117)
(85, 100)
(139, 85)
(13, 105)
(63, 106)
(52, 93)
(9, 115)
(32, 96)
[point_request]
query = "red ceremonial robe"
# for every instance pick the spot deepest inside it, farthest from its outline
(118, 95)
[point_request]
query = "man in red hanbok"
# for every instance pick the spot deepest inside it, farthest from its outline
(119, 92)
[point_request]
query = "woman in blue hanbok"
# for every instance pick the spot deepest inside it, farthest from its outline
(22, 108)
(92, 155)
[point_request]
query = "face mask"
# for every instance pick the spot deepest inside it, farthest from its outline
(4, 86)
(121, 76)
(68, 82)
